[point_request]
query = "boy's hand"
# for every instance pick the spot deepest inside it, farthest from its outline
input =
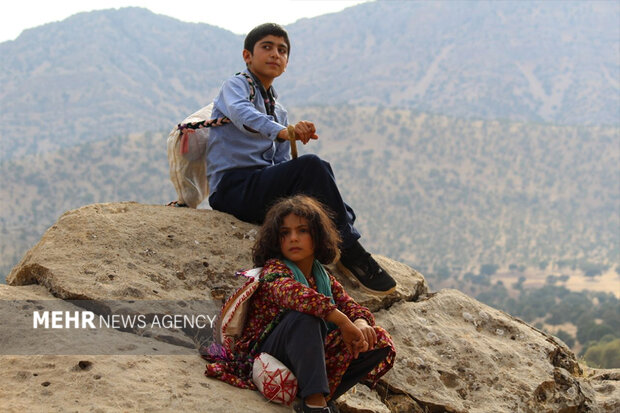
(368, 331)
(304, 131)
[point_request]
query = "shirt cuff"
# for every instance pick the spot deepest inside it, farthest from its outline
(273, 128)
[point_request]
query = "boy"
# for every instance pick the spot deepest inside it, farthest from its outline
(248, 162)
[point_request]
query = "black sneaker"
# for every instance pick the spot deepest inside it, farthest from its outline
(325, 409)
(300, 407)
(359, 265)
(332, 405)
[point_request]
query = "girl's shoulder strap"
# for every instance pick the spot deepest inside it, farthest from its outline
(252, 273)
(275, 268)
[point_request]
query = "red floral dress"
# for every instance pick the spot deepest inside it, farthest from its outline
(280, 291)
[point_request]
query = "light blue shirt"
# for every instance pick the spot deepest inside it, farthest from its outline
(250, 140)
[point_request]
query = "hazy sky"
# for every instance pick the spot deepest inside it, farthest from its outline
(238, 16)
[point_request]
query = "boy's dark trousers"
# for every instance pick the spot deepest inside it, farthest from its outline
(298, 342)
(248, 193)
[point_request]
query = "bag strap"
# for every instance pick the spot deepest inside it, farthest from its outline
(223, 120)
(204, 124)
(251, 83)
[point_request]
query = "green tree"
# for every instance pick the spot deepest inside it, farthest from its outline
(604, 354)
(551, 279)
(591, 269)
(519, 284)
(488, 269)
(594, 332)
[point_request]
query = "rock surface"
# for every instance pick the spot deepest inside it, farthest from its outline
(461, 355)
(454, 354)
(126, 251)
(85, 383)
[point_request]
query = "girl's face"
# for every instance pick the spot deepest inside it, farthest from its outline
(296, 241)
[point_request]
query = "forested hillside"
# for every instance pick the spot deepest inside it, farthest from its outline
(460, 193)
(436, 192)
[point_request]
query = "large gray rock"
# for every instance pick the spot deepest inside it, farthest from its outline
(114, 383)
(19, 337)
(606, 385)
(125, 251)
(464, 356)
(131, 251)
(454, 354)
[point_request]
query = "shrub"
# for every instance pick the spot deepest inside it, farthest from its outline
(488, 269)
(604, 354)
(593, 332)
(592, 269)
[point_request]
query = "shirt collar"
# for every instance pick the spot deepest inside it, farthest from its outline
(271, 90)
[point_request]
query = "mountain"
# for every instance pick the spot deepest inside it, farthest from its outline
(463, 133)
(100, 74)
(555, 62)
(105, 73)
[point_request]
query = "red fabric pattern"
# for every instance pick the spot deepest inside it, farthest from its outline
(279, 385)
(281, 291)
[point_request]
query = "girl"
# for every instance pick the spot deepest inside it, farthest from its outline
(301, 315)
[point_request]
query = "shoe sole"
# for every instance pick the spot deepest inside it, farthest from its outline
(357, 282)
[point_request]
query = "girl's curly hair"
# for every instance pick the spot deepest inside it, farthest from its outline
(322, 229)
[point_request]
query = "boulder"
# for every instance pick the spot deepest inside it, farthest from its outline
(460, 355)
(606, 385)
(454, 354)
(106, 383)
(124, 251)
(130, 251)
(18, 335)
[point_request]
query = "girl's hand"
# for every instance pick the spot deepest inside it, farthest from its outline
(368, 331)
(354, 339)
(351, 334)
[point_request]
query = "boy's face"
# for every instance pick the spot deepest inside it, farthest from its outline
(268, 60)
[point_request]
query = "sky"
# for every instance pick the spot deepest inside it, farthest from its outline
(15, 16)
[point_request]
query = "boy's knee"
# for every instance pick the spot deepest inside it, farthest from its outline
(311, 160)
(315, 164)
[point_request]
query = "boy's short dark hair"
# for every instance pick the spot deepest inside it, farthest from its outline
(264, 30)
(324, 234)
